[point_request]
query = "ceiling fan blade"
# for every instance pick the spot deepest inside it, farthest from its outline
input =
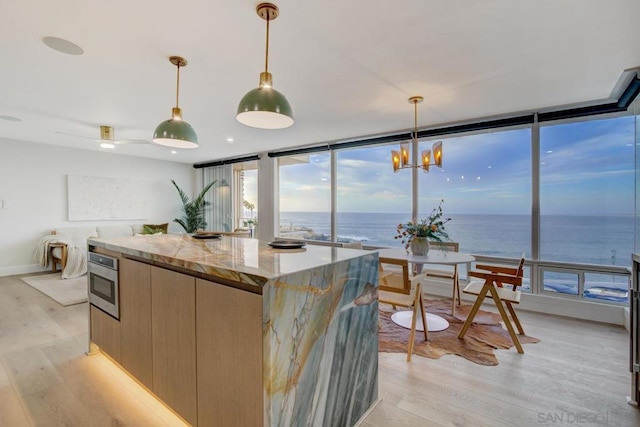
(106, 137)
(77, 136)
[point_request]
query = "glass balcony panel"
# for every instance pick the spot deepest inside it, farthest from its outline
(563, 283)
(606, 287)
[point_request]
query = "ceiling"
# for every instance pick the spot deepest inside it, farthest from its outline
(346, 67)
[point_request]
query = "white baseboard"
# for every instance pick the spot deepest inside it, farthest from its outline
(559, 306)
(21, 269)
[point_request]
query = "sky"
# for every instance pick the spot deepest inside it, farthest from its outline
(586, 168)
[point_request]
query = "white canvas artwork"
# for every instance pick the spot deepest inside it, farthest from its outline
(95, 198)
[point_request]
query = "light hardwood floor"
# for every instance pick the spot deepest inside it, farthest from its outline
(577, 375)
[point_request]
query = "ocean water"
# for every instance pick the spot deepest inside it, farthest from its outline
(603, 240)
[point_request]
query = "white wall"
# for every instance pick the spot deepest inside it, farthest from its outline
(33, 186)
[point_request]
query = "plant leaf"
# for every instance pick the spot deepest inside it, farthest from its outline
(193, 211)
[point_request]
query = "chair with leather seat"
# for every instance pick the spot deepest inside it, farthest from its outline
(398, 289)
(502, 284)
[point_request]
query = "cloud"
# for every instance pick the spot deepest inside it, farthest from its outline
(586, 158)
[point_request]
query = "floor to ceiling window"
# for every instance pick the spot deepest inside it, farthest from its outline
(246, 194)
(305, 196)
(371, 199)
(219, 212)
(488, 187)
(587, 191)
(485, 182)
(587, 202)
(233, 199)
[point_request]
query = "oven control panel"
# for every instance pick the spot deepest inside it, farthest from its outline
(103, 260)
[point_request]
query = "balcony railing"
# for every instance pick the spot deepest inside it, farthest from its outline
(602, 283)
(587, 282)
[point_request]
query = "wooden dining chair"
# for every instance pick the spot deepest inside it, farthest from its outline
(400, 289)
(502, 284)
(447, 272)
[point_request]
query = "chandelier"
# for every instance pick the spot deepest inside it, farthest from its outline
(402, 159)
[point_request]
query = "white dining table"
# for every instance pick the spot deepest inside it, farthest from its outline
(434, 322)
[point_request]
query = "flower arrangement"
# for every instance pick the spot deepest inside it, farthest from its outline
(433, 227)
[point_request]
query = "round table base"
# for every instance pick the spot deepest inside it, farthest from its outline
(434, 323)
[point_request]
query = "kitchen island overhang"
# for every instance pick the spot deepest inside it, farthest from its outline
(319, 318)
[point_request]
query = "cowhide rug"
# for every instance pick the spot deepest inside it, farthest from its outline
(485, 334)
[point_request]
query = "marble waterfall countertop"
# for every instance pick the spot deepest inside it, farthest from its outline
(248, 261)
(317, 315)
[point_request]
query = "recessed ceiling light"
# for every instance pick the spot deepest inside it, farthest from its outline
(174, 152)
(63, 46)
(229, 139)
(11, 118)
(549, 151)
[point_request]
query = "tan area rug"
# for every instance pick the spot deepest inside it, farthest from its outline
(63, 291)
(484, 336)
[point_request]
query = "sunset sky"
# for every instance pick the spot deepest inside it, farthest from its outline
(587, 168)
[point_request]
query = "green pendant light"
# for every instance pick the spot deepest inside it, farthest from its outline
(265, 107)
(175, 132)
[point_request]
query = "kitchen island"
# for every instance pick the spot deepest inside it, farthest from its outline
(230, 331)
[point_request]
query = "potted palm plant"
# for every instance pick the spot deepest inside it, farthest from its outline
(193, 218)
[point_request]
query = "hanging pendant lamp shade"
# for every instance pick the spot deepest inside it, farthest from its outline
(175, 132)
(265, 107)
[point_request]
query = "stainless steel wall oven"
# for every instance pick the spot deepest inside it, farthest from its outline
(102, 277)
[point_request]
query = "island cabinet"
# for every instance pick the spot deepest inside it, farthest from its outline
(105, 332)
(231, 332)
(229, 345)
(173, 336)
(135, 320)
(221, 364)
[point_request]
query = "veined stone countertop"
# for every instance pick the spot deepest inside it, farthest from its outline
(240, 259)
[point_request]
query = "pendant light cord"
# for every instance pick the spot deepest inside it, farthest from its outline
(266, 59)
(415, 120)
(178, 86)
